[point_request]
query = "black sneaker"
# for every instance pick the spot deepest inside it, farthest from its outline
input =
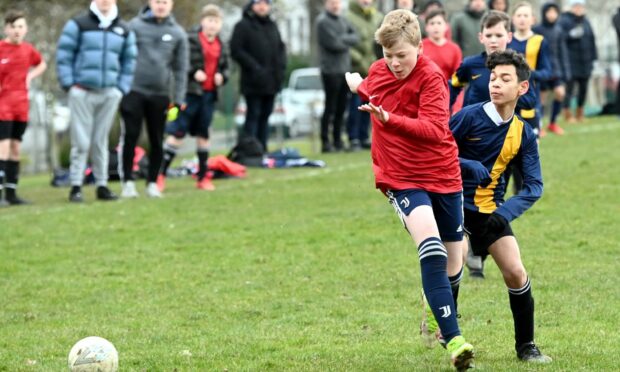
(103, 193)
(75, 196)
(13, 199)
(529, 352)
(326, 148)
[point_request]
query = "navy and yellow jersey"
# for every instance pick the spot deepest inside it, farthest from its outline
(482, 136)
(474, 74)
(538, 56)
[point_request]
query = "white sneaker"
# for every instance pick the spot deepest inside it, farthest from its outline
(129, 190)
(152, 190)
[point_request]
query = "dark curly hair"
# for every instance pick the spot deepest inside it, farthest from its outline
(12, 16)
(510, 57)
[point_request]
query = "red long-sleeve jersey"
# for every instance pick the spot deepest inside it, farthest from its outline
(414, 149)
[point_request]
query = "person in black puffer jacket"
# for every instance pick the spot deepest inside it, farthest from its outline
(257, 46)
(581, 54)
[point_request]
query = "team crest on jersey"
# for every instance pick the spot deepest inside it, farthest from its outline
(118, 30)
(166, 37)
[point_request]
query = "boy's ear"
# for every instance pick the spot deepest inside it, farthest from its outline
(480, 37)
(524, 86)
(509, 37)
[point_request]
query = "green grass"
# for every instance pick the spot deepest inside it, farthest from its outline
(301, 269)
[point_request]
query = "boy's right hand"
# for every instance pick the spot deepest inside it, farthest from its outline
(353, 80)
(200, 76)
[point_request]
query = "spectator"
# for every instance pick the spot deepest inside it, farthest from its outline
(365, 19)
(21, 63)
(427, 9)
(406, 4)
(95, 64)
(162, 52)
(258, 48)
(208, 70)
(556, 39)
(446, 54)
(465, 26)
(616, 22)
(335, 36)
(499, 5)
(581, 55)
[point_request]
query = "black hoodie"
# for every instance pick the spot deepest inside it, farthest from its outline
(581, 44)
(556, 39)
(258, 48)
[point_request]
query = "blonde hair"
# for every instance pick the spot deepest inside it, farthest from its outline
(399, 25)
(211, 10)
(520, 5)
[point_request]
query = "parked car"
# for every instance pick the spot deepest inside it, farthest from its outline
(297, 107)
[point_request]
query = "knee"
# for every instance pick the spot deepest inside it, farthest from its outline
(515, 276)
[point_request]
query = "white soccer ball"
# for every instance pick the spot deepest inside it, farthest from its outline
(93, 354)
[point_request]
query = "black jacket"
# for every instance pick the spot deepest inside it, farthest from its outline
(616, 22)
(580, 43)
(258, 48)
(557, 43)
(197, 62)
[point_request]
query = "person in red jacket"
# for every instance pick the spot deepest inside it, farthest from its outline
(415, 161)
(20, 62)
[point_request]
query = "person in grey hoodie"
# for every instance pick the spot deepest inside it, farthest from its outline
(163, 55)
(335, 36)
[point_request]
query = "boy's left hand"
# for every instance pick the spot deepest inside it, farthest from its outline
(378, 111)
(218, 79)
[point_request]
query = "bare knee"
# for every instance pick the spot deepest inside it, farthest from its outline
(515, 276)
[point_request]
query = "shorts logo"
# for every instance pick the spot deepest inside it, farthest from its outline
(446, 311)
(460, 228)
(405, 202)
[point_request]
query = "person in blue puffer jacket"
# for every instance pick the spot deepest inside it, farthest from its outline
(95, 62)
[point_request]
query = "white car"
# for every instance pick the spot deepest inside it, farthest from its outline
(298, 107)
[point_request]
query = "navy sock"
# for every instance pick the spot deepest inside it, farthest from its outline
(12, 173)
(433, 262)
(203, 155)
(522, 306)
(455, 282)
(555, 110)
(2, 175)
(169, 153)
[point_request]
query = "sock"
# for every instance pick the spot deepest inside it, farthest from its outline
(2, 176)
(169, 153)
(455, 282)
(434, 262)
(522, 306)
(11, 177)
(555, 110)
(203, 155)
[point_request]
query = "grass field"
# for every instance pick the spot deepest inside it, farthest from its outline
(302, 269)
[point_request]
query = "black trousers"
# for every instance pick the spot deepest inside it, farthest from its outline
(336, 94)
(136, 107)
(259, 108)
(582, 90)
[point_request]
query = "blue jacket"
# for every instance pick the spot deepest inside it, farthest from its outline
(581, 44)
(96, 58)
(485, 143)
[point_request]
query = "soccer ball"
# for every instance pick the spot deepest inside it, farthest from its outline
(93, 354)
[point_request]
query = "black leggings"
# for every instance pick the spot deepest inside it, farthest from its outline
(581, 92)
(336, 95)
(134, 108)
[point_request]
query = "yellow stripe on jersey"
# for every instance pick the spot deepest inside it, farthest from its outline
(455, 82)
(532, 50)
(483, 198)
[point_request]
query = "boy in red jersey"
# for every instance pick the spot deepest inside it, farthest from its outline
(16, 59)
(445, 53)
(415, 161)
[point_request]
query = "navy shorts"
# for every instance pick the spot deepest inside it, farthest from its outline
(447, 208)
(196, 118)
(479, 238)
(13, 130)
(550, 84)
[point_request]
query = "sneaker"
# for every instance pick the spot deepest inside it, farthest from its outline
(161, 182)
(129, 190)
(555, 129)
(152, 191)
(105, 194)
(13, 199)
(75, 195)
(475, 265)
(429, 329)
(355, 145)
(529, 352)
(205, 184)
(461, 353)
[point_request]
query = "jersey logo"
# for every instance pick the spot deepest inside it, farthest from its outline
(474, 77)
(371, 97)
(446, 311)
(405, 202)
(4, 61)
